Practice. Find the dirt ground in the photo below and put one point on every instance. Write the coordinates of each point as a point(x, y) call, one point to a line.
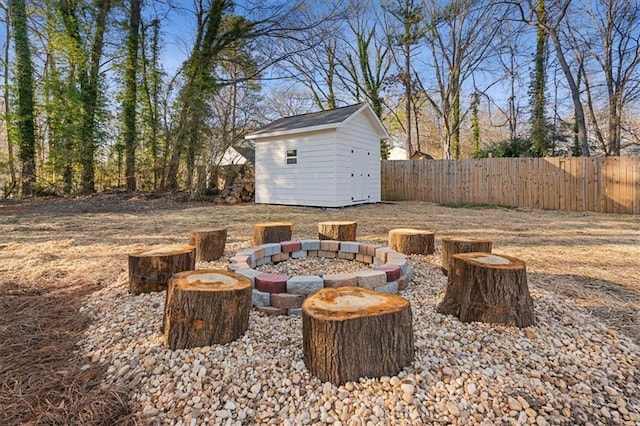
point(55, 252)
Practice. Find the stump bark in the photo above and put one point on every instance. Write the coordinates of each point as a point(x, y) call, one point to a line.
point(451, 246)
point(150, 269)
point(337, 231)
point(272, 232)
point(209, 243)
point(411, 241)
point(206, 307)
point(351, 332)
point(488, 288)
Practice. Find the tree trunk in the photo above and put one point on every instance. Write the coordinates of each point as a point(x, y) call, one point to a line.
point(272, 232)
point(150, 269)
point(575, 95)
point(90, 86)
point(351, 332)
point(209, 243)
point(411, 241)
point(6, 94)
point(451, 246)
point(130, 100)
point(206, 307)
point(539, 131)
point(25, 115)
point(488, 288)
point(337, 231)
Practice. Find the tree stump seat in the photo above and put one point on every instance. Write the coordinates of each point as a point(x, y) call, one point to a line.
point(151, 268)
point(455, 245)
point(353, 332)
point(206, 307)
point(271, 232)
point(209, 243)
point(337, 230)
point(488, 288)
point(411, 241)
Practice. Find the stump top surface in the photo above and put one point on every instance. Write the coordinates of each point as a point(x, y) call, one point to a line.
point(211, 280)
point(338, 222)
point(164, 250)
point(490, 260)
point(272, 224)
point(410, 231)
point(343, 303)
point(467, 239)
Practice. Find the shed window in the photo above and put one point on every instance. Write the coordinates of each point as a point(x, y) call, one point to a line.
point(292, 156)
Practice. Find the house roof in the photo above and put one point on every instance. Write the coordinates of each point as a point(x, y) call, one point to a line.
point(247, 152)
point(322, 120)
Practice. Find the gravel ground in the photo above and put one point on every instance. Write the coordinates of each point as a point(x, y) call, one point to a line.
point(568, 369)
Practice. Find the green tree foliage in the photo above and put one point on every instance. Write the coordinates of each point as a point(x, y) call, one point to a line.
point(213, 36)
point(25, 114)
point(86, 73)
point(517, 147)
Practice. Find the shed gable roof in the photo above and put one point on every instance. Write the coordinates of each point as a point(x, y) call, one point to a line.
point(330, 119)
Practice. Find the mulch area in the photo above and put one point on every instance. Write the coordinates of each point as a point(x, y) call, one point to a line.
point(43, 380)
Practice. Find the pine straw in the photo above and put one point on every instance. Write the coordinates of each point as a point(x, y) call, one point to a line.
point(42, 378)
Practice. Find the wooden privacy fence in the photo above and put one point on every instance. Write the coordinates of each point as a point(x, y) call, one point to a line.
point(604, 184)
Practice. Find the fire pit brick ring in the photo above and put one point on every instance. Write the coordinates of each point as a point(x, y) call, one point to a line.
point(278, 294)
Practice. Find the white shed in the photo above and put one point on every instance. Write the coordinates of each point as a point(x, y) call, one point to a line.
point(323, 159)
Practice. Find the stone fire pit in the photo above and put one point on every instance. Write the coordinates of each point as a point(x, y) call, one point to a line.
point(282, 294)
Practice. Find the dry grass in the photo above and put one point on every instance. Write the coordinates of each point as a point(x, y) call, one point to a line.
point(54, 253)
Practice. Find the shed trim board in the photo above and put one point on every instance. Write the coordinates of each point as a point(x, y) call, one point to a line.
point(334, 164)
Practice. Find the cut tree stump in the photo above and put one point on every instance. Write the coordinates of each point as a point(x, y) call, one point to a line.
point(206, 307)
point(352, 332)
point(411, 241)
point(455, 245)
point(488, 288)
point(209, 243)
point(337, 231)
point(271, 232)
point(151, 268)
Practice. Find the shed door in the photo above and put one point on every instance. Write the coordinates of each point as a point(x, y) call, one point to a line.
point(359, 174)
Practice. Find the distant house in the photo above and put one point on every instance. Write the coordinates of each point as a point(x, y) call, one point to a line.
point(323, 159)
point(399, 153)
point(238, 154)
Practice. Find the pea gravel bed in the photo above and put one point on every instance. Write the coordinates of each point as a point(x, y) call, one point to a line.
point(568, 369)
point(314, 266)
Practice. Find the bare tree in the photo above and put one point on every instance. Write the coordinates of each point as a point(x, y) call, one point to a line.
point(556, 15)
point(405, 33)
point(311, 55)
point(460, 38)
point(367, 60)
point(511, 62)
point(611, 40)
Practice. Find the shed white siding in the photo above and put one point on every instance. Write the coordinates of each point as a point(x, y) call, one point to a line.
point(358, 135)
point(311, 181)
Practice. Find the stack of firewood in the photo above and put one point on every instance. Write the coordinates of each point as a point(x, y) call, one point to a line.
point(240, 191)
